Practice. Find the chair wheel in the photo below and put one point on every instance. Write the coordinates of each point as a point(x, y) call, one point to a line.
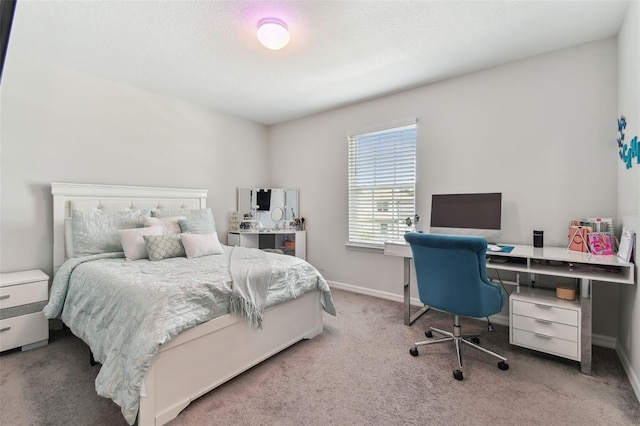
point(503, 365)
point(475, 340)
point(413, 351)
point(429, 334)
point(457, 374)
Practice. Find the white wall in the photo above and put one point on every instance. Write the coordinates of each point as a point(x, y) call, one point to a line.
point(537, 130)
point(60, 126)
point(629, 187)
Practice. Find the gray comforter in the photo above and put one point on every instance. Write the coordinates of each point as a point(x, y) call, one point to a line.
point(125, 310)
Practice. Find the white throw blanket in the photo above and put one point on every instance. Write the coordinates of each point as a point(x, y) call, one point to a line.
point(251, 278)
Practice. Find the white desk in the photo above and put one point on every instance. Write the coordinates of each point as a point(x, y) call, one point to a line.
point(552, 261)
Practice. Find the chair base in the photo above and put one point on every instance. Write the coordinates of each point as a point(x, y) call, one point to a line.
point(458, 338)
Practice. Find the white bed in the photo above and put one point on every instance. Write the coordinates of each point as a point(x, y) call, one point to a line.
point(185, 369)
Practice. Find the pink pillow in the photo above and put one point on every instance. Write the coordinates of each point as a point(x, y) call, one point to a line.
point(169, 225)
point(196, 245)
point(133, 243)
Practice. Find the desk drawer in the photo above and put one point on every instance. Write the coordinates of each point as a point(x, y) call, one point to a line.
point(545, 311)
point(22, 330)
point(23, 294)
point(550, 345)
point(546, 328)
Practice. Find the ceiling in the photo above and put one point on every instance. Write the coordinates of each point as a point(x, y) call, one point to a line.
point(341, 52)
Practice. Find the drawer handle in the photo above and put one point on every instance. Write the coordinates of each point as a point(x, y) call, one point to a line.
point(543, 306)
point(5, 296)
point(544, 336)
point(5, 329)
point(543, 321)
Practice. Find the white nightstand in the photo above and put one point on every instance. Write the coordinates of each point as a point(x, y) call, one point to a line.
point(22, 297)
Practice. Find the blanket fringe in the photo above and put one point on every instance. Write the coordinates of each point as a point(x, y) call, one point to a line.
point(247, 310)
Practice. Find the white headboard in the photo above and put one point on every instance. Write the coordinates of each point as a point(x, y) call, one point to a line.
point(88, 197)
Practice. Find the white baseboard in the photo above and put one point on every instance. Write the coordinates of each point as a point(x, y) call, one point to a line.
point(626, 364)
point(603, 341)
point(502, 318)
point(375, 293)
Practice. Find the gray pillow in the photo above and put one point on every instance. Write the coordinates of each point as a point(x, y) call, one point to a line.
point(95, 232)
point(197, 226)
point(164, 246)
point(203, 214)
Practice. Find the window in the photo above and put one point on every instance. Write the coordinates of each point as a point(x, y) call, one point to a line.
point(382, 182)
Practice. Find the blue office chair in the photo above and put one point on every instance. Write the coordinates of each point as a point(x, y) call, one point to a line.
point(452, 277)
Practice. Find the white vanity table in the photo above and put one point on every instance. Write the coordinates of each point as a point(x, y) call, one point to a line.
point(290, 241)
point(268, 214)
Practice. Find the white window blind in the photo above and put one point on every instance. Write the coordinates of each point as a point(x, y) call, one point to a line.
point(382, 182)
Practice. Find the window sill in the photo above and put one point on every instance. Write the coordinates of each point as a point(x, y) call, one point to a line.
point(371, 248)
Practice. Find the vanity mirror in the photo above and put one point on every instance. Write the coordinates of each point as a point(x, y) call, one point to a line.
point(277, 214)
point(270, 207)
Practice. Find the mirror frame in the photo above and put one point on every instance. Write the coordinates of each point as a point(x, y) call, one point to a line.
point(277, 214)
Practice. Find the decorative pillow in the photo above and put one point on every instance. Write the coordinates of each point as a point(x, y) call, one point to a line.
point(163, 246)
point(169, 224)
point(196, 245)
point(197, 226)
point(133, 242)
point(204, 214)
point(96, 232)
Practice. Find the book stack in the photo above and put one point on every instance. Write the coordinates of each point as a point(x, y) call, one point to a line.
point(592, 235)
point(595, 236)
point(598, 224)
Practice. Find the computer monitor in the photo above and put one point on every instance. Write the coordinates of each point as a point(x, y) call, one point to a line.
point(467, 214)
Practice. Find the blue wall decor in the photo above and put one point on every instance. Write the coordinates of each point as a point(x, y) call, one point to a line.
point(628, 151)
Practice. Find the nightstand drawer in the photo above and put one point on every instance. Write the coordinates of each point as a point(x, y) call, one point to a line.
point(23, 330)
point(546, 328)
point(233, 239)
point(545, 311)
point(551, 345)
point(22, 294)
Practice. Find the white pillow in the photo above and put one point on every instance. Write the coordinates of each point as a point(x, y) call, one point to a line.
point(133, 243)
point(169, 225)
point(196, 245)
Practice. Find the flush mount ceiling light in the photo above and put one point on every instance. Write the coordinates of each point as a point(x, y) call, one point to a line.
point(273, 33)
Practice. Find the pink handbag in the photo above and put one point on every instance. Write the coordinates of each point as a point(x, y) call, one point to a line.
point(578, 238)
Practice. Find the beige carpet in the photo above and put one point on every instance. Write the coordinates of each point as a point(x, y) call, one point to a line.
point(358, 372)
